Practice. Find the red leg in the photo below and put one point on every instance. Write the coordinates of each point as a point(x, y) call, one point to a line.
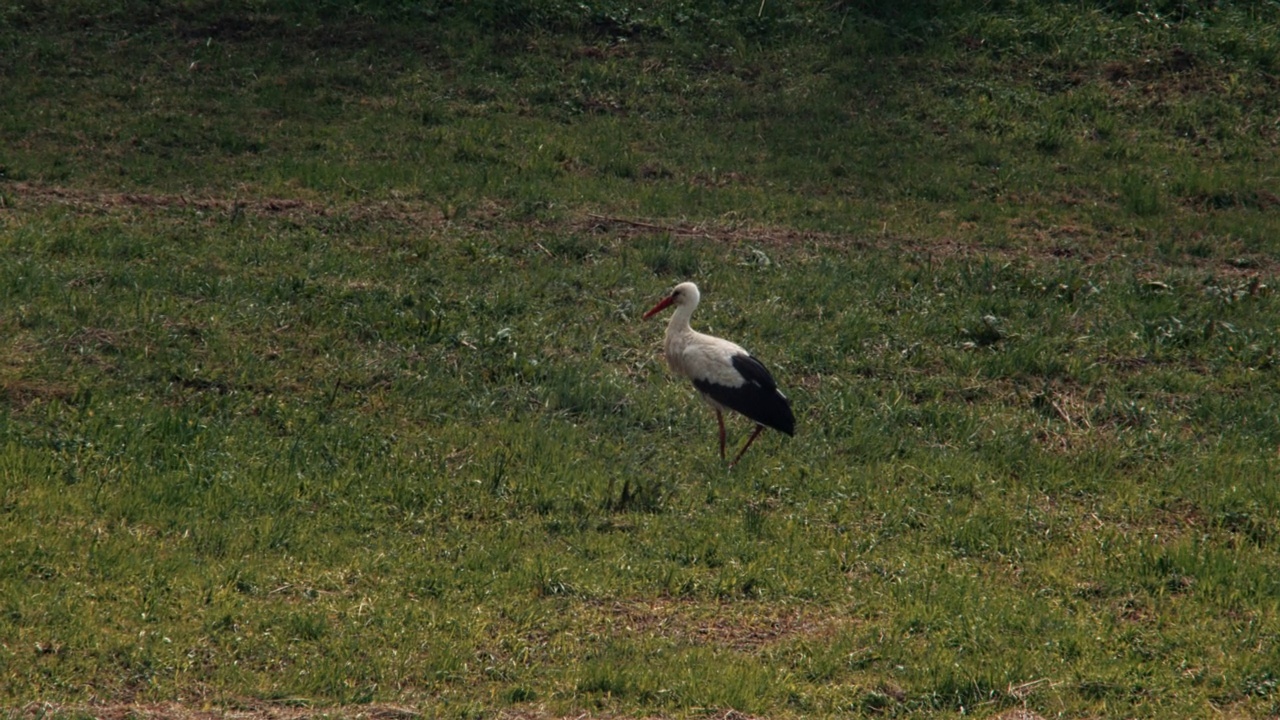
point(720, 419)
point(750, 440)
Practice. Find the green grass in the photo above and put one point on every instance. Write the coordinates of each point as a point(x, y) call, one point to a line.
point(323, 383)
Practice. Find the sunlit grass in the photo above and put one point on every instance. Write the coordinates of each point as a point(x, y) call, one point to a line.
point(323, 379)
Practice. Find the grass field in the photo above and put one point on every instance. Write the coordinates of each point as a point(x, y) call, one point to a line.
point(324, 389)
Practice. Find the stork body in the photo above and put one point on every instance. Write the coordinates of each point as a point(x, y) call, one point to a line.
point(726, 375)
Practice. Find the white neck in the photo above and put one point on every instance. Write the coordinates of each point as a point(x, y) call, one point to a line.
point(680, 319)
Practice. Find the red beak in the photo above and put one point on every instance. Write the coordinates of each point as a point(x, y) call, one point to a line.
point(656, 308)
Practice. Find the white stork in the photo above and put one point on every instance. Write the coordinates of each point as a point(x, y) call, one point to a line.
point(726, 375)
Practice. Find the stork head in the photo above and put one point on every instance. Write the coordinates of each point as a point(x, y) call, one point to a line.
point(683, 295)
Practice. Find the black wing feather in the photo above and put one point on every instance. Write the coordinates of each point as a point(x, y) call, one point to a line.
point(758, 398)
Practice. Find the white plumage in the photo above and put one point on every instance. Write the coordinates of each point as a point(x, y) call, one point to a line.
point(726, 375)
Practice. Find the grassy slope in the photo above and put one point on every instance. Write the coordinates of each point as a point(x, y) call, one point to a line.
point(322, 381)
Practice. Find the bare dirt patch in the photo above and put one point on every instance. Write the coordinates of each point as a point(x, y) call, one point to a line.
point(102, 201)
point(252, 710)
point(1033, 241)
point(745, 627)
